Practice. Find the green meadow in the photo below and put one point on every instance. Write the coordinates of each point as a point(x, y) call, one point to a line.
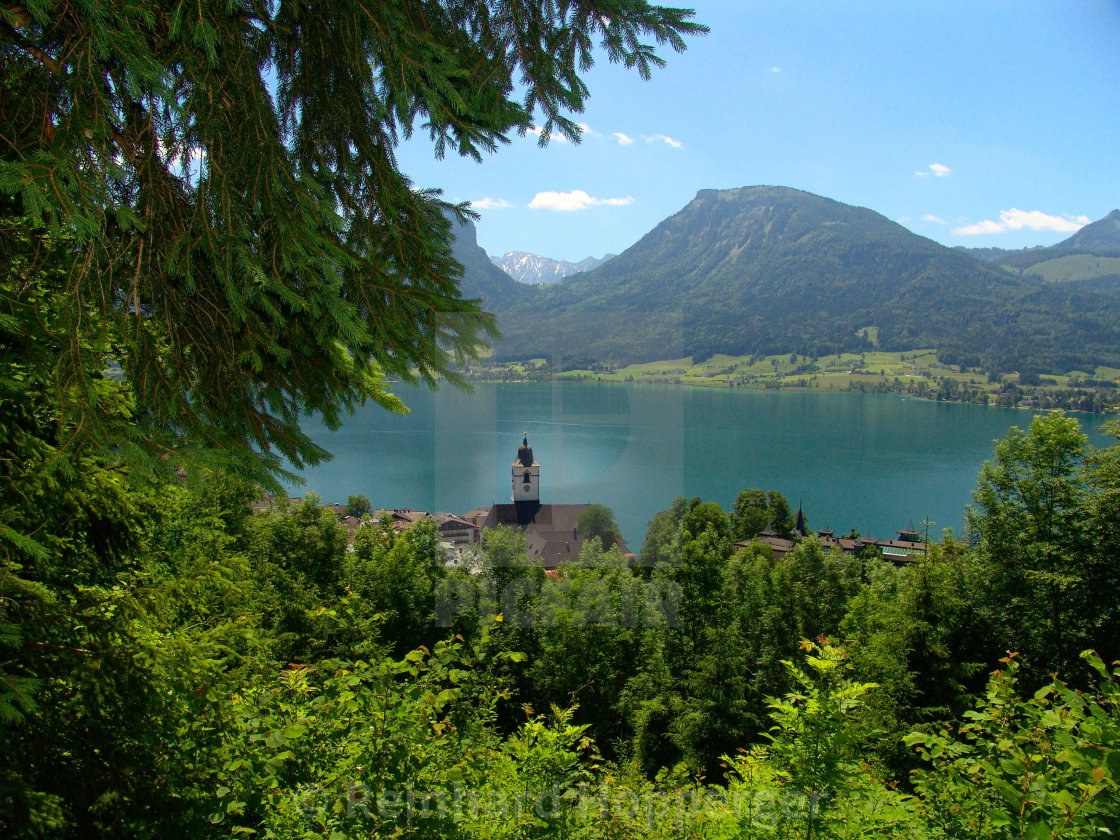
point(875, 370)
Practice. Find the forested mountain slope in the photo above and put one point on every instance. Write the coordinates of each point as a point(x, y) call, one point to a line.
point(772, 270)
point(481, 278)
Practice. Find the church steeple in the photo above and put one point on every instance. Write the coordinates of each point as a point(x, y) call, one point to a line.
point(525, 452)
point(525, 478)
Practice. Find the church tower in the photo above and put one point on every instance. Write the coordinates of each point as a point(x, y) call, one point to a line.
point(526, 475)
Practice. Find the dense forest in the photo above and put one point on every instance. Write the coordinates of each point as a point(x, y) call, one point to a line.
point(176, 665)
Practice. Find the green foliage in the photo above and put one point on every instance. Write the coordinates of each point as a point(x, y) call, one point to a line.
point(702, 686)
point(1040, 515)
point(750, 515)
point(358, 506)
point(781, 517)
point(126, 647)
point(396, 576)
point(660, 545)
point(301, 549)
point(705, 545)
point(1031, 493)
point(178, 288)
point(1102, 534)
point(811, 738)
point(812, 587)
point(590, 624)
point(382, 747)
point(918, 633)
point(516, 578)
point(597, 521)
point(201, 670)
point(1040, 766)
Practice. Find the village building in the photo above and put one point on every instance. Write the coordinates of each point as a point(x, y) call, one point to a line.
point(456, 530)
point(907, 548)
point(551, 530)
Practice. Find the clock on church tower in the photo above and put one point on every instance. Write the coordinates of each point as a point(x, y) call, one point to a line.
point(525, 474)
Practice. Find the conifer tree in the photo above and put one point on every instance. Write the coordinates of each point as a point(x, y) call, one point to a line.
point(238, 224)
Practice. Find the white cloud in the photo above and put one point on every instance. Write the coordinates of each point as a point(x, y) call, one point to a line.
point(1035, 220)
point(980, 228)
point(775, 69)
point(665, 138)
point(1018, 219)
point(574, 200)
point(623, 139)
point(937, 170)
point(588, 131)
point(937, 220)
point(489, 203)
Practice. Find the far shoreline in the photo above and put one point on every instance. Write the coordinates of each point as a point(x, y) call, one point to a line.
point(915, 373)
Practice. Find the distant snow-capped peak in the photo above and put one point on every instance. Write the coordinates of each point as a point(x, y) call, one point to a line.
point(535, 269)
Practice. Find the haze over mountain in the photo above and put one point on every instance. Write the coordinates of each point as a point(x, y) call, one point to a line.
point(773, 270)
point(534, 269)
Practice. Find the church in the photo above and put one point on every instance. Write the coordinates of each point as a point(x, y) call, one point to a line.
point(551, 530)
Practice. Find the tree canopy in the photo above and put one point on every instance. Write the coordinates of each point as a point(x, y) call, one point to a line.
point(598, 521)
point(216, 191)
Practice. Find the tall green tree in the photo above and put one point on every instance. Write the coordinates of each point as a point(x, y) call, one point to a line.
point(359, 506)
point(397, 575)
point(1102, 477)
point(781, 517)
point(705, 548)
point(750, 514)
point(589, 625)
point(661, 545)
point(1029, 522)
point(598, 521)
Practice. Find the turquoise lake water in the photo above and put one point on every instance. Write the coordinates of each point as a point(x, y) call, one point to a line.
point(873, 462)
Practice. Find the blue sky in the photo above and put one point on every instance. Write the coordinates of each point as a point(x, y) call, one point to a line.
point(978, 123)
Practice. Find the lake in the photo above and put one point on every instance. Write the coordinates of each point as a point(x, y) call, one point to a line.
point(872, 462)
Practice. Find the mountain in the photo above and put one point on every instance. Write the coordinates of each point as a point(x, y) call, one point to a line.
point(534, 269)
point(481, 278)
point(1101, 237)
point(773, 270)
